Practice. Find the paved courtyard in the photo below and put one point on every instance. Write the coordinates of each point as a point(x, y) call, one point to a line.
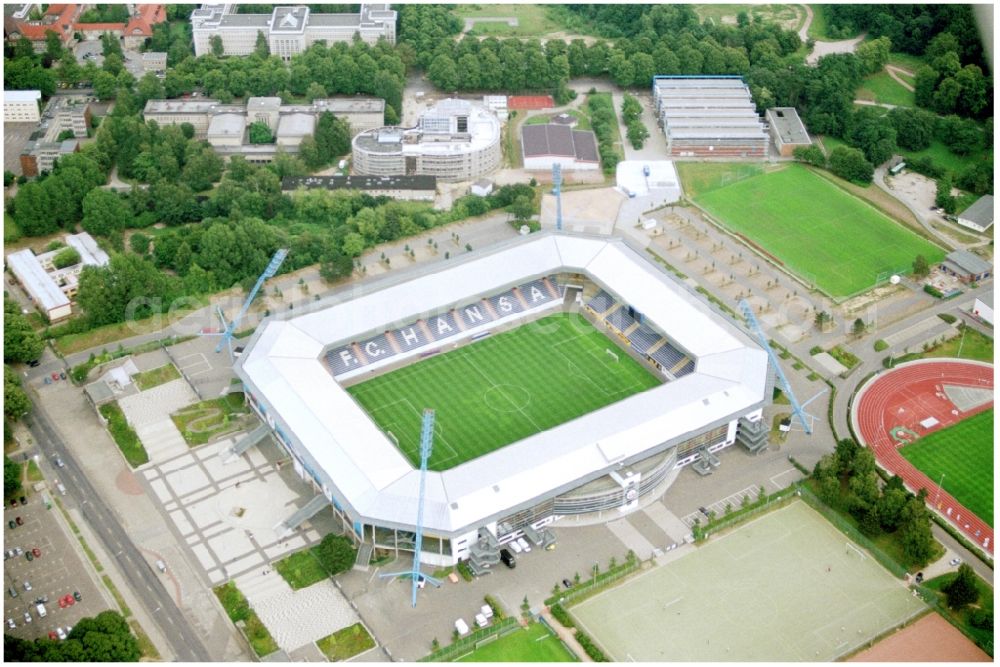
point(149, 414)
point(227, 513)
point(296, 618)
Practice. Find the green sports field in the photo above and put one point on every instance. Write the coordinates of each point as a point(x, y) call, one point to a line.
point(532, 644)
point(963, 453)
point(502, 389)
point(827, 236)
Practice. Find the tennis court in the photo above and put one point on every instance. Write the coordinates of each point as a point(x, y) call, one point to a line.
point(785, 587)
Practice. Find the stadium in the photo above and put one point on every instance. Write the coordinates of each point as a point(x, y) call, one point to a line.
point(570, 376)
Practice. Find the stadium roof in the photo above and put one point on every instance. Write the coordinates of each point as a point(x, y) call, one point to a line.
point(283, 370)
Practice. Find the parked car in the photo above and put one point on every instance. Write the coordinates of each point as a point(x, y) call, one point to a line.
point(55, 376)
point(514, 546)
point(27, 617)
point(12, 591)
point(33, 363)
point(37, 552)
point(23, 500)
point(11, 624)
point(62, 375)
point(59, 462)
point(52, 635)
point(507, 558)
point(27, 585)
point(567, 583)
point(29, 556)
point(77, 596)
point(42, 599)
point(19, 521)
point(955, 562)
point(524, 544)
point(12, 524)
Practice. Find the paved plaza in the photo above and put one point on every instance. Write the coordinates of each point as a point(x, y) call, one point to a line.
point(296, 618)
point(227, 513)
point(149, 414)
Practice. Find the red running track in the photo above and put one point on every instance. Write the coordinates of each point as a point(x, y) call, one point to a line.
point(905, 396)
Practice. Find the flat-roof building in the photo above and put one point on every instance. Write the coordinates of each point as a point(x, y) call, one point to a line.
point(455, 140)
point(786, 130)
point(289, 30)
point(49, 287)
point(21, 106)
point(154, 61)
point(709, 117)
point(545, 145)
point(421, 188)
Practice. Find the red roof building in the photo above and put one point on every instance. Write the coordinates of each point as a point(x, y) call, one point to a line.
point(58, 18)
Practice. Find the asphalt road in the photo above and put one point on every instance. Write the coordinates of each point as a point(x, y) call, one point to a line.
point(186, 645)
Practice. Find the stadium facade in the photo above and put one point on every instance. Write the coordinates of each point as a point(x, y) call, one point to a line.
point(716, 381)
point(455, 140)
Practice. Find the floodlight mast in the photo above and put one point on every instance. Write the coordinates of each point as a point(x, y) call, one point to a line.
point(752, 322)
point(230, 328)
point(426, 445)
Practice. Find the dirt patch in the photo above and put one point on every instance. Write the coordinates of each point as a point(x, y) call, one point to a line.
point(931, 639)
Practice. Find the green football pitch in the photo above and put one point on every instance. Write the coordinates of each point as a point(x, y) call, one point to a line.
point(829, 237)
point(963, 453)
point(502, 389)
point(532, 644)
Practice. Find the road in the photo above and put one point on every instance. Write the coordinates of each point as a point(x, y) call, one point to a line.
point(186, 645)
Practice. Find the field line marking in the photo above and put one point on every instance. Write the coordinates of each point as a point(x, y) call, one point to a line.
point(498, 387)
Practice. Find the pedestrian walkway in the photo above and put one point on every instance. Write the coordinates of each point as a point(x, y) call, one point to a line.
point(631, 538)
point(296, 618)
point(149, 414)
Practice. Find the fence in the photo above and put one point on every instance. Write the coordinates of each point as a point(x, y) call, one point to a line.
point(594, 585)
point(844, 526)
point(771, 502)
point(471, 642)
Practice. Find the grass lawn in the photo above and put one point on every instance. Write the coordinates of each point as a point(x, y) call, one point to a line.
point(502, 389)
point(238, 609)
point(830, 238)
point(536, 643)
point(203, 421)
point(945, 159)
point(301, 569)
point(34, 474)
point(701, 177)
point(726, 14)
point(112, 333)
point(583, 121)
point(533, 19)
point(974, 346)
point(843, 356)
point(963, 617)
point(155, 377)
point(346, 643)
point(907, 61)
point(818, 27)
point(963, 453)
point(146, 647)
point(883, 89)
point(124, 435)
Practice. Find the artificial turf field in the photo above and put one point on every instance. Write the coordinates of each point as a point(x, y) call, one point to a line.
point(963, 453)
point(827, 236)
point(532, 644)
point(502, 389)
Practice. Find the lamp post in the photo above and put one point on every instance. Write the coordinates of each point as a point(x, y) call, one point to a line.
point(938, 495)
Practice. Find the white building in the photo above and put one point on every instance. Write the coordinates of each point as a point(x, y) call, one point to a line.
point(288, 29)
point(716, 381)
point(52, 288)
point(21, 106)
point(454, 140)
point(979, 216)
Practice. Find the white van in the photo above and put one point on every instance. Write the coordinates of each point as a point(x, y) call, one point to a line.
point(40, 608)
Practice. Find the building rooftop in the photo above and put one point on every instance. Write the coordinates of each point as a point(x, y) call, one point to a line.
point(22, 95)
point(786, 122)
point(227, 125)
point(90, 253)
point(981, 211)
point(296, 124)
point(428, 183)
point(39, 284)
point(180, 106)
point(558, 141)
point(968, 262)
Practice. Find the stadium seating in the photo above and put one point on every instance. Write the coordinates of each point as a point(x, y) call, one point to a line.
point(620, 319)
point(667, 355)
point(601, 303)
point(413, 336)
point(685, 369)
point(643, 338)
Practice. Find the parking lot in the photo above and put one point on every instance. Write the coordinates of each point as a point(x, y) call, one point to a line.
point(15, 136)
point(58, 571)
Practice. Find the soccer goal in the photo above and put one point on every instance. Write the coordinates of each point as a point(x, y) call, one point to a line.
point(850, 549)
point(612, 354)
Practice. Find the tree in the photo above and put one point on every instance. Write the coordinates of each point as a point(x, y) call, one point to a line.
point(811, 154)
point(822, 319)
point(15, 402)
point(217, 47)
point(150, 88)
point(104, 213)
point(53, 45)
point(873, 133)
point(128, 287)
point(333, 136)
point(944, 198)
point(315, 91)
point(260, 47)
point(924, 82)
point(443, 73)
point(11, 476)
point(66, 257)
point(962, 590)
point(105, 85)
point(850, 164)
point(920, 266)
point(260, 133)
point(202, 169)
point(335, 265)
point(914, 127)
point(336, 553)
point(858, 328)
point(20, 341)
point(874, 54)
point(522, 208)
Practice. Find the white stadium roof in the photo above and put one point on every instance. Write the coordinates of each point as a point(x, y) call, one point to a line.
point(284, 369)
